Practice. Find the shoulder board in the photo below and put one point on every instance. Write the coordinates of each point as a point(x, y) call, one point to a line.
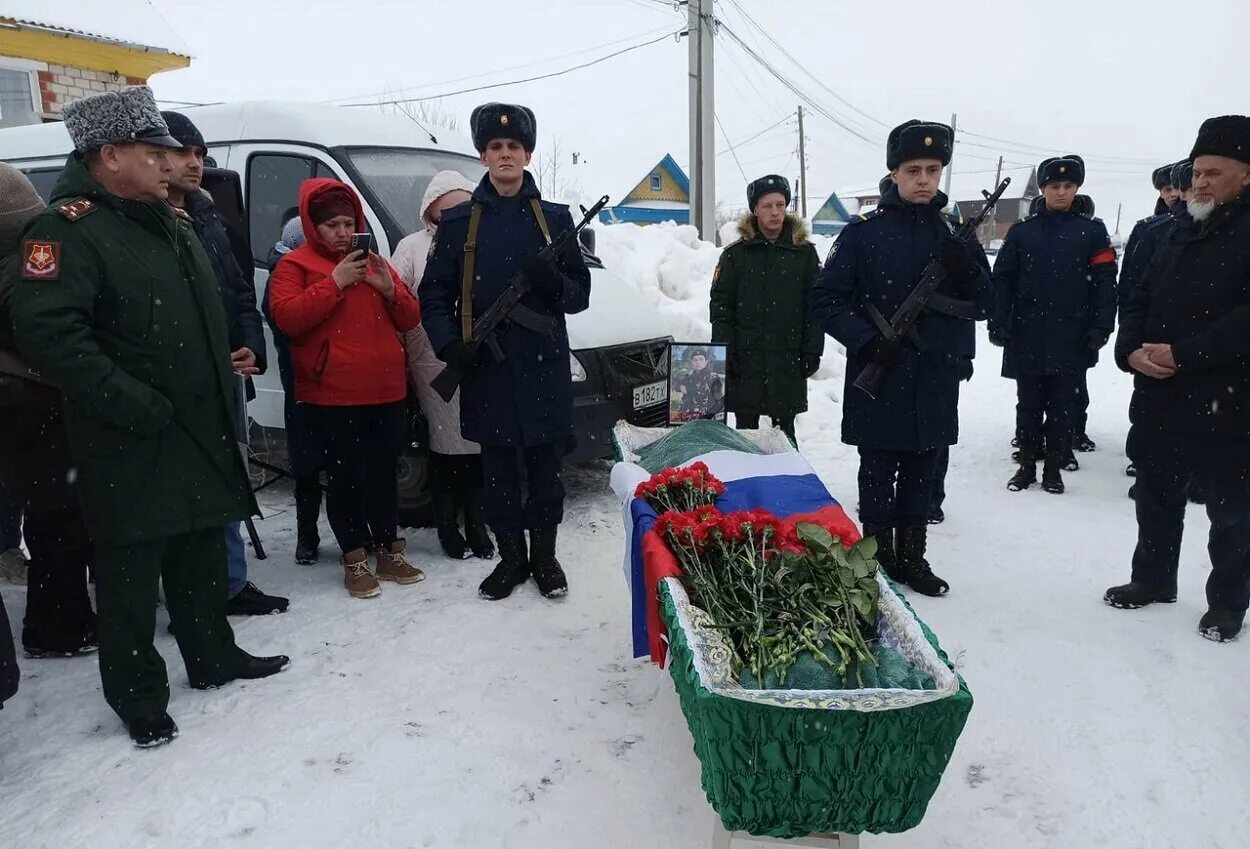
point(866, 217)
point(553, 206)
point(77, 208)
point(732, 244)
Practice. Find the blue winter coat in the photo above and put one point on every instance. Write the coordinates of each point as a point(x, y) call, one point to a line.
point(527, 399)
point(1054, 281)
point(1144, 242)
point(879, 258)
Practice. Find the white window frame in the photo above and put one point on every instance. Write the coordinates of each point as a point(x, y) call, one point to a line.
point(32, 69)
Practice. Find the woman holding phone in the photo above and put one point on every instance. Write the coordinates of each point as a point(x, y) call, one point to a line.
point(344, 311)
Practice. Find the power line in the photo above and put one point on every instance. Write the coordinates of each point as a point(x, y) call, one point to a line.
point(548, 76)
point(1031, 148)
point(768, 129)
point(492, 73)
point(731, 150)
point(784, 52)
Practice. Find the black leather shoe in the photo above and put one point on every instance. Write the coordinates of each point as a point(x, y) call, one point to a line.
point(153, 730)
point(250, 601)
point(253, 668)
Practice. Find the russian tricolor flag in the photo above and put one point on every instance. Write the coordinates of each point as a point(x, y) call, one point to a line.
point(783, 484)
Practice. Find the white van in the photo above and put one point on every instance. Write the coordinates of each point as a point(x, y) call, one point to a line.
point(617, 367)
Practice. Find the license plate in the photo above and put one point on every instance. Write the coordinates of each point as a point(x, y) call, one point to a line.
point(650, 394)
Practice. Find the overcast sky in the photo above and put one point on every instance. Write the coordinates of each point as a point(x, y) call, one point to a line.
point(1123, 83)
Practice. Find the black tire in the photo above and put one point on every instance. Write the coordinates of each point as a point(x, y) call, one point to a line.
point(416, 506)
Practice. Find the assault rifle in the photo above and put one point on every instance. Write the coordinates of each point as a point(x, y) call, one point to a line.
point(508, 306)
point(925, 295)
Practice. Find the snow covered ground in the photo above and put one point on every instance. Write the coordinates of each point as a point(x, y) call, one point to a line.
point(428, 718)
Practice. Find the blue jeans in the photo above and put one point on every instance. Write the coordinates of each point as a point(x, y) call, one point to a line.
point(236, 559)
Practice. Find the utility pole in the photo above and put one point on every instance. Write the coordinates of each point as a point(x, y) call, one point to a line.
point(950, 168)
point(802, 167)
point(702, 115)
point(1118, 209)
point(998, 178)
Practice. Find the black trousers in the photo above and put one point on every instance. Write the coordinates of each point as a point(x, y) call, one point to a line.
point(1045, 410)
point(895, 487)
point(937, 495)
point(784, 423)
point(361, 446)
point(455, 474)
point(192, 567)
point(58, 607)
point(1080, 414)
point(1163, 479)
point(507, 472)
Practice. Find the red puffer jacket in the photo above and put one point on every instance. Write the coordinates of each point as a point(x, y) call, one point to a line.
point(345, 343)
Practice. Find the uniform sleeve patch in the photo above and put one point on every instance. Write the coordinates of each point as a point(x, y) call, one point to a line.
point(41, 260)
point(1103, 257)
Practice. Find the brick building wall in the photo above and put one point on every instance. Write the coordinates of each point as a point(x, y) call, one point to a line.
point(59, 85)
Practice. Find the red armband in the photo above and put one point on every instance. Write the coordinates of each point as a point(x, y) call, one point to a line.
point(1103, 257)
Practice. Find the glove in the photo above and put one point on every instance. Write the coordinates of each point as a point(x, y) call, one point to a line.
point(959, 264)
point(1095, 339)
point(883, 352)
point(811, 363)
point(544, 276)
point(999, 337)
point(460, 356)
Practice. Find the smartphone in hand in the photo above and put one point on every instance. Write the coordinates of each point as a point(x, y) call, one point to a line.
point(362, 242)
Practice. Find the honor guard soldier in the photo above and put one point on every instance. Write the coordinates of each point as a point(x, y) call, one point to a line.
point(1054, 309)
point(116, 301)
point(877, 261)
point(519, 408)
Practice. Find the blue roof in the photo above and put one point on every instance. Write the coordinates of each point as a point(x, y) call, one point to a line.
point(832, 210)
point(679, 176)
point(643, 215)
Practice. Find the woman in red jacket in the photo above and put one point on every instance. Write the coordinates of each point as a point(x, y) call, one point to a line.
point(344, 313)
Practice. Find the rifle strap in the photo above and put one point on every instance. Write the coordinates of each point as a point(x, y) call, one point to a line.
point(466, 283)
point(542, 219)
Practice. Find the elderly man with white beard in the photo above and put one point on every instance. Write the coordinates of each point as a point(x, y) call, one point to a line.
point(1185, 334)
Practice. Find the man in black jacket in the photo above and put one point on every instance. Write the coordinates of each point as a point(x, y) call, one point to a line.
point(247, 337)
point(1185, 331)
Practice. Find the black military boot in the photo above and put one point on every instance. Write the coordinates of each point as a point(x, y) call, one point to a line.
point(1052, 479)
point(152, 730)
point(912, 543)
point(307, 509)
point(1026, 475)
point(447, 520)
point(886, 554)
point(513, 569)
point(479, 539)
point(1081, 442)
point(548, 573)
point(1068, 461)
point(1221, 626)
point(1133, 595)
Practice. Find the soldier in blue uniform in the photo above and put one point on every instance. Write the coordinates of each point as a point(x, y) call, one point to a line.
point(876, 261)
point(520, 410)
point(1054, 308)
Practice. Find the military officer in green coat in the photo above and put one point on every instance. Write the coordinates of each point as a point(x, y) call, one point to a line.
point(114, 298)
point(759, 309)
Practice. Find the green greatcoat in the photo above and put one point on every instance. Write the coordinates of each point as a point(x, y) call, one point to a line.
point(759, 309)
point(121, 309)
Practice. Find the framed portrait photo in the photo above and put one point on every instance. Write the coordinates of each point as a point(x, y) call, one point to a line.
point(696, 382)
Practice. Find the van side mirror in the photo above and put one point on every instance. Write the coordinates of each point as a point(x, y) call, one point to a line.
point(587, 238)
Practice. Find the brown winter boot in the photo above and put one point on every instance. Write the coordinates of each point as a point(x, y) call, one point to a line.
point(357, 577)
point(393, 567)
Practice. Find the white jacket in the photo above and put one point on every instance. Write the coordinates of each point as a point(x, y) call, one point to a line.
point(423, 364)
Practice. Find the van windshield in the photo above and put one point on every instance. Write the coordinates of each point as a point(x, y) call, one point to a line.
point(397, 178)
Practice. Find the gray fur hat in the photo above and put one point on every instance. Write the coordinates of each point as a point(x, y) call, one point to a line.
point(117, 117)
